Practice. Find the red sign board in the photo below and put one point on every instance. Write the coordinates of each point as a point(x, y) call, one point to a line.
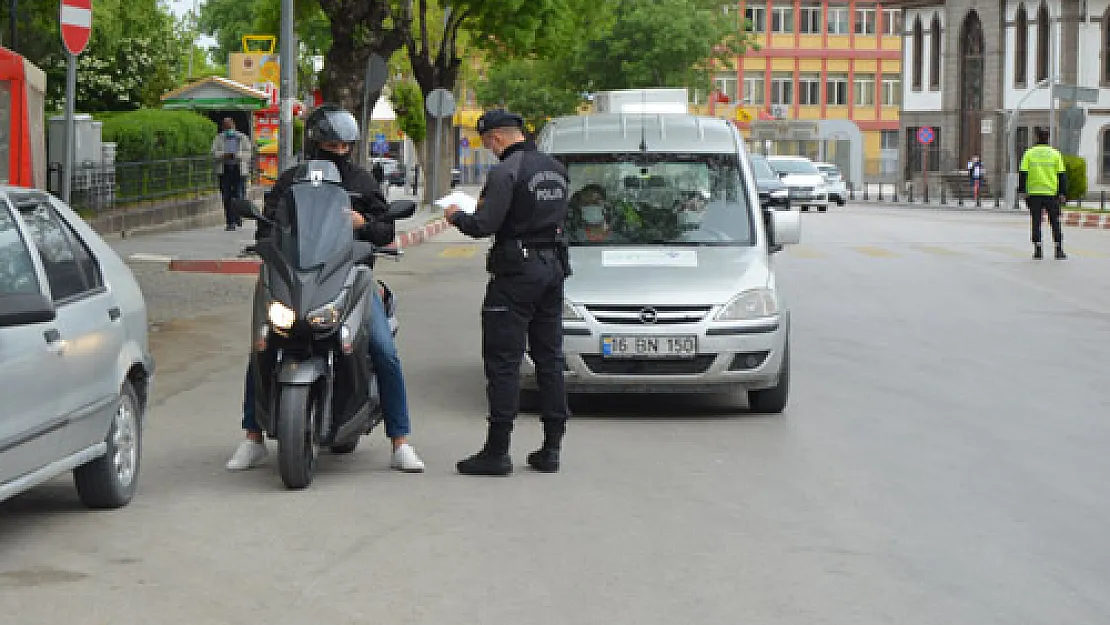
point(925, 135)
point(76, 21)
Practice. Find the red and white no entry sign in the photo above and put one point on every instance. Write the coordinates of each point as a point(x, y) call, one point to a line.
point(76, 21)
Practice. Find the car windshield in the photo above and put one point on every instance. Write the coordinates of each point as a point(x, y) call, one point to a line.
point(636, 199)
point(793, 166)
point(761, 169)
point(829, 170)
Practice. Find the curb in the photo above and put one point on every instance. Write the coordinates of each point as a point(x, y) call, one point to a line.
point(249, 266)
point(1076, 219)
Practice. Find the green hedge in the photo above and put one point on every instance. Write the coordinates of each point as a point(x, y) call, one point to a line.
point(155, 134)
point(1076, 168)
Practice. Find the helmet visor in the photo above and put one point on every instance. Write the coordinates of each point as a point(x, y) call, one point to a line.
point(344, 127)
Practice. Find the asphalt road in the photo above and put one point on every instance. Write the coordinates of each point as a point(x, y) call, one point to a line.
point(943, 460)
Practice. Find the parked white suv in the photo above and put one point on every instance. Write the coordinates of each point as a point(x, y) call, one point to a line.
point(834, 183)
point(805, 183)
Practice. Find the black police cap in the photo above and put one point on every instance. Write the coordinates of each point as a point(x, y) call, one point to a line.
point(499, 118)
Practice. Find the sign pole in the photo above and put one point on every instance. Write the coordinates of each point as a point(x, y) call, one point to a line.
point(70, 134)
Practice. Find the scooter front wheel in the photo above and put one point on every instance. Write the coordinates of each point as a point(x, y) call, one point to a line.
point(297, 414)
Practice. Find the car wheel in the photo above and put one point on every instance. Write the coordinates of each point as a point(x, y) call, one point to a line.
point(840, 201)
point(822, 208)
point(773, 400)
point(110, 480)
point(804, 209)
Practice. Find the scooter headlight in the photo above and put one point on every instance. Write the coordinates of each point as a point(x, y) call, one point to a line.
point(329, 315)
point(281, 316)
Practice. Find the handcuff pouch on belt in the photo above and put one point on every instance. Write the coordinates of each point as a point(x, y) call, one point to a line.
point(507, 257)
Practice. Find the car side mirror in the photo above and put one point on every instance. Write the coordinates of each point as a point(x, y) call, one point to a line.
point(20, 309)
point(786, 227)
point(400, 209)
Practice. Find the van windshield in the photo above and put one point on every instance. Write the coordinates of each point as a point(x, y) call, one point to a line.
point(636, 199)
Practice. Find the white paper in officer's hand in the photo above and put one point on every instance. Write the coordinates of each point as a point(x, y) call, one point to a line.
point(466, 203)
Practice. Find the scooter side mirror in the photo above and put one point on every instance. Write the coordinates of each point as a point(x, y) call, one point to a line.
point(245, 208)
point(400, 209)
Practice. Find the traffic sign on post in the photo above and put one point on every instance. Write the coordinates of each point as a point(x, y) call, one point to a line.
point(440, 104)
point(76, 21)
point(925, 135)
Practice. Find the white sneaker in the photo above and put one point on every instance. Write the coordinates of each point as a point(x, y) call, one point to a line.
point(248, 454)
point(405, 459)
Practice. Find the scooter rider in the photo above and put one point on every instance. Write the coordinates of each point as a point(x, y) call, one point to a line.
point(330, 132)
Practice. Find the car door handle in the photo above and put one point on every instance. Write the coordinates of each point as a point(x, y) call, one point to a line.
point(54, 341)
point(114, 313)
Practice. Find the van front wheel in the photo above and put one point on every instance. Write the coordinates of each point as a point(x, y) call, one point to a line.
point(773, 400)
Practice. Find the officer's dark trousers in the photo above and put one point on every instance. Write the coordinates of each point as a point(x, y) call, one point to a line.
point(231, 188)
point(520, 310)
point(1038, 205)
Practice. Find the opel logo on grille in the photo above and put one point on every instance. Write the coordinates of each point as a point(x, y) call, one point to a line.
point(649, 315)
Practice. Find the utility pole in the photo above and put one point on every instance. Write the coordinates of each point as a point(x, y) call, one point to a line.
point(288, 59)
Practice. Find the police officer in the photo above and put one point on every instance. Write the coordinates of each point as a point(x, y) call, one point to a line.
point(330, 134)
point(1043, 179)
point(524, 206)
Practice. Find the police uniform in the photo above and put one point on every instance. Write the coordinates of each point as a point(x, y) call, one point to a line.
point(524, 206)
point(1043, 179)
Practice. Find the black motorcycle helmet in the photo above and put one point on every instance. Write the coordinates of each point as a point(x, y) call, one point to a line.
point(329, 122)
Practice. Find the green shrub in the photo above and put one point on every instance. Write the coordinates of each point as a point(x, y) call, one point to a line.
point(1076, 168)
point(155, 134)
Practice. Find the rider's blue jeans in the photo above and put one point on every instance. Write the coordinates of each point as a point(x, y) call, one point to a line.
point(387, 364)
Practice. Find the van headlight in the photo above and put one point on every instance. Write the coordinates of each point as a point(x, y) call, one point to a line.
point(753, 304)
point(570, 313)
point(281, 316)
point(329, 315)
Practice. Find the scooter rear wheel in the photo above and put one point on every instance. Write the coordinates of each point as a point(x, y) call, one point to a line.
point(297, 453)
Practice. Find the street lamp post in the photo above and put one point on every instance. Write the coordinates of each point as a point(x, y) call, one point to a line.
point(1011, 140)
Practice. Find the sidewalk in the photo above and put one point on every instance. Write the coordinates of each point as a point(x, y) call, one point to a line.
point(215, 250)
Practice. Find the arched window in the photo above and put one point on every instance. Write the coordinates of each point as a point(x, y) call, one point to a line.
point(918, 54)
point(934, 54)
point(1021, 47)
point(1042, 43)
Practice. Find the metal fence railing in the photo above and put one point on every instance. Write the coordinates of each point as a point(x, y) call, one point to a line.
point(101, 187)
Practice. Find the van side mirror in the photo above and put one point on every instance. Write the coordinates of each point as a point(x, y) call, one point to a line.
point(786, 227)
point(246, 209)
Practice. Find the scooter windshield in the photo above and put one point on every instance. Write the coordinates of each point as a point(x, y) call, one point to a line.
point(321, 224)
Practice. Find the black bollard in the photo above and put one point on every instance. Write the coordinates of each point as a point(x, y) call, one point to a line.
point(925, 194)
point(943, 194)
point(1102, 200)
point(910, 193)
point(894, 193)
point(865, 186)
point(880, 192)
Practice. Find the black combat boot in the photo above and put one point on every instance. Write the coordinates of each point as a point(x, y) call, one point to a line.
point(1037, 253)
point(494, 458)
point(546, 458)
point(1060, 255)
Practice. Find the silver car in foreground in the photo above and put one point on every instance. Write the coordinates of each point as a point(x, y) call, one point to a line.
point(74, 357)
point(673, 287)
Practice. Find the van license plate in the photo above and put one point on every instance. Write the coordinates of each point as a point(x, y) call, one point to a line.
point(649, 346)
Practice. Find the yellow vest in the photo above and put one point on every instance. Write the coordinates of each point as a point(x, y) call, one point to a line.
point(1042, 163)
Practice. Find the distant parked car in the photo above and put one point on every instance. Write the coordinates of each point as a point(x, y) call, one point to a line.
point(394, 171)
point(805, 181)
point(456, 176)
point(834, 183)
point(74, 357)
point(773, 193)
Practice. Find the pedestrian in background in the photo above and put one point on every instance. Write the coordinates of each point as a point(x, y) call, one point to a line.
point(1042, 179)
point(524, 206)
point(975, 173)
point(232, 151)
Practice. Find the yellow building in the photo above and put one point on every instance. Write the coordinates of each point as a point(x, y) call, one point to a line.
point(818, 60)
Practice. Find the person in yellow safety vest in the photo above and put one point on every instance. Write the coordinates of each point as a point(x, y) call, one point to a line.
point(1042, 179)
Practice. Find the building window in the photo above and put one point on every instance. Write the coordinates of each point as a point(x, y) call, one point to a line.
point(889, 140)
point(782, 19)
point(809, 90)
point(754, 92)
point(865, 21)
point(725, 84)
point(865, 90)
point(782, 88)
point(811, 19)
point(1106, 50)
point(1021, 47)
point(1104, 146)
point(837, 90)
point(934, 55)
point(839, 22)
point(1042, 43)
point(892, 22)
point(757, 17)
point(918, 54)
point(892, 92)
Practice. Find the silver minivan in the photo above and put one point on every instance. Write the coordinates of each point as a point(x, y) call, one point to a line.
point(673, 288)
